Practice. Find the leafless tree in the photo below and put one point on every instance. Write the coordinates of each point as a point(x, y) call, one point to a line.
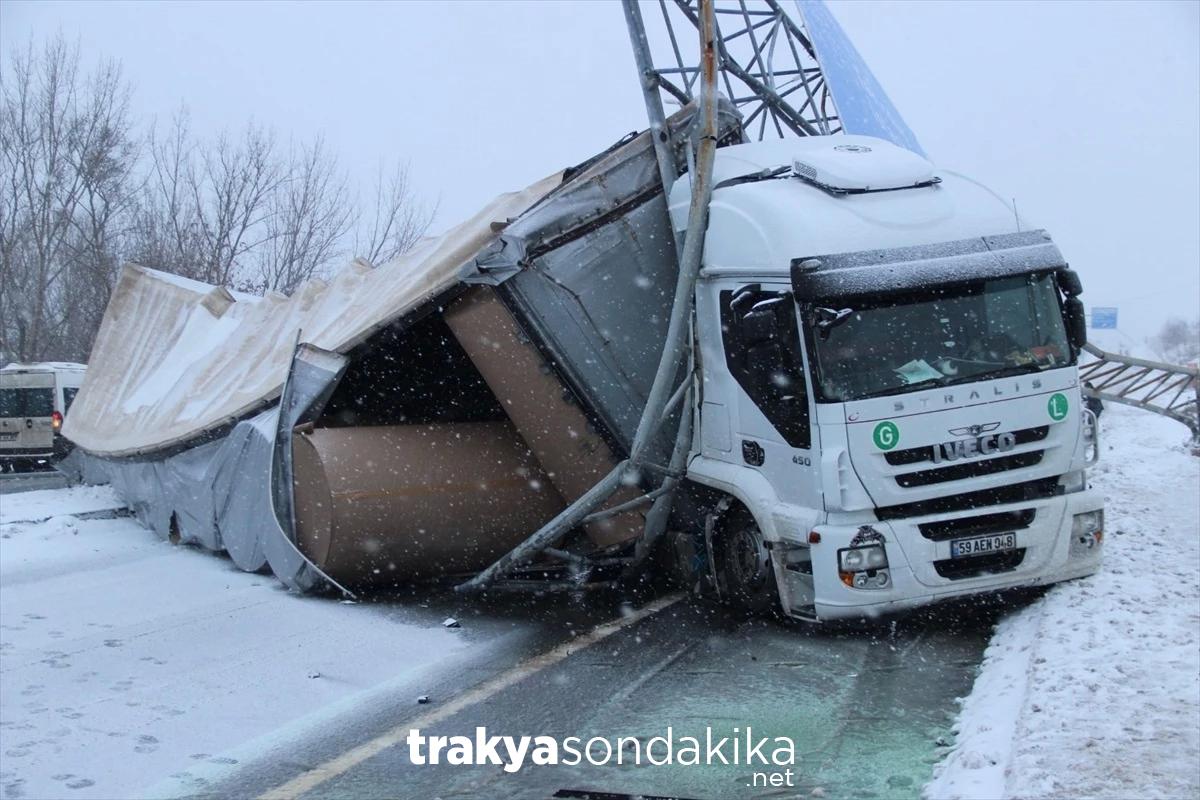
point(1178, 342)
point(81, 193)
point(309, 215)
point(394, 220)
point(65, 159)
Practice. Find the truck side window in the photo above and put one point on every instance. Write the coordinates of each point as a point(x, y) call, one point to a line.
point(69, 393)
point(762, 351)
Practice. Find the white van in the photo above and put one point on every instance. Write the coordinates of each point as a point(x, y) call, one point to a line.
point(34, 400)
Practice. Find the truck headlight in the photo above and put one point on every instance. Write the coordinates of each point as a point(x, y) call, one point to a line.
point(861, 559)
point(1087, 532)
point(864, 567)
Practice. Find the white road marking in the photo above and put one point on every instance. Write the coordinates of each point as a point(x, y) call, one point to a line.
point(309, 780)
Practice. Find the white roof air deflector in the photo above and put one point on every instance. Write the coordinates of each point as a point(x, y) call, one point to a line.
point(846, 166)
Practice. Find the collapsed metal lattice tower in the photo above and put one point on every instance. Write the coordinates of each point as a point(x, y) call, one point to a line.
point(767, 65)
point(1170, 390)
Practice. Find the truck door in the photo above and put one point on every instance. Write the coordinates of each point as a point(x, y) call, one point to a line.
point(764, 355)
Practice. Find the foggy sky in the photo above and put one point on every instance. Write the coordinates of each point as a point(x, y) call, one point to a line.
point(1088, 114)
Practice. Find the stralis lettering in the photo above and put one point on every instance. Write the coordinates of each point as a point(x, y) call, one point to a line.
point(513, 752)
point(961, 397)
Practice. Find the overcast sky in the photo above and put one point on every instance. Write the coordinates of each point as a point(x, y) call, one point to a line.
point(1087, 113)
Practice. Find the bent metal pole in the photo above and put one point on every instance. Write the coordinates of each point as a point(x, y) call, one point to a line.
point(677, 329)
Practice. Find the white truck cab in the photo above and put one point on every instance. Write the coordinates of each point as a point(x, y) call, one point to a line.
point(889, 410)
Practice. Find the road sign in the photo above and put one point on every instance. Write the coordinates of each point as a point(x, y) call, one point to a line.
point(1104, 318)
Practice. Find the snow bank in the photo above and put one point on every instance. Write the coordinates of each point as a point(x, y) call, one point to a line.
point(1094, 690)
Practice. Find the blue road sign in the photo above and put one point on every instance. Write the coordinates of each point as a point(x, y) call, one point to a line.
point(1104, 317)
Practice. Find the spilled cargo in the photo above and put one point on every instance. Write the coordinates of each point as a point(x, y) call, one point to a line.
point(440, 408)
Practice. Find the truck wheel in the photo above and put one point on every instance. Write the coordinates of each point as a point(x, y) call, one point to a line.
point(745, 563)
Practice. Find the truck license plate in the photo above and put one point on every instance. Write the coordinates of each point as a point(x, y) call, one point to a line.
point(8, 437)
point(982, 545)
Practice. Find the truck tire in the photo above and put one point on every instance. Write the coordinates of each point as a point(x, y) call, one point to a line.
point(747, 576)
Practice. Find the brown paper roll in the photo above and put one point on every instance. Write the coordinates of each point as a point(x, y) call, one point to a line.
point(392, 503)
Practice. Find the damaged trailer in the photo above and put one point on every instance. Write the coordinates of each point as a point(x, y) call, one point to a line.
point(413, 421)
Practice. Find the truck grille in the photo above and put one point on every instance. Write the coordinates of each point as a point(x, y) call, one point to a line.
point(957, 569)
point(982, 525)
point(970, 469)
point(1000, 495)
point(915, 455)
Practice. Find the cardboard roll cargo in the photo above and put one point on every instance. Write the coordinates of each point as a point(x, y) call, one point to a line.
point(545, 414)
point(400, 502)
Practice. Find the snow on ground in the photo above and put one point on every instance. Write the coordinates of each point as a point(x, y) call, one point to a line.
point(125, 660)
point(1094, 690)
point(42, 505)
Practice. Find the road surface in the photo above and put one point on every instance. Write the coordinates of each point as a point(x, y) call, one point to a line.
point(133, 667)
point(869, 711)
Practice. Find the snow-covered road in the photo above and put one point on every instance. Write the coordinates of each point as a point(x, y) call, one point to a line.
point(129, 665)
point(1094, 690)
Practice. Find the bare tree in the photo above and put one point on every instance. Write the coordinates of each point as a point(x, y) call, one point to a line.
point(65, 158)
point(309, 215)
point(1178, 342)
point(78, 199)
point(394, 221)
point(232, 190)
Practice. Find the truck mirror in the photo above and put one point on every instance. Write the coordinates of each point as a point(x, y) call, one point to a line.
point(1068, 281)
point(1076, 323)
point(758, 326)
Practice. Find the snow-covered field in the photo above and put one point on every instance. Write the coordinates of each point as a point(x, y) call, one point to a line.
point(1094, 690)
point(131, 666)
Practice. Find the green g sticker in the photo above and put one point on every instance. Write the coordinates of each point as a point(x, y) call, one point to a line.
point(1057, 406)
point(886, 435)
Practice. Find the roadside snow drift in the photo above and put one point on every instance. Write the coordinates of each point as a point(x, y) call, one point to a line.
point(1094, 690)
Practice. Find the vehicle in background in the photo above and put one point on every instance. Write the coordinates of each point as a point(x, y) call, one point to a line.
point(34, 400)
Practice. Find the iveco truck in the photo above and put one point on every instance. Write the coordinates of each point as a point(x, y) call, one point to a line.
point(888, 409)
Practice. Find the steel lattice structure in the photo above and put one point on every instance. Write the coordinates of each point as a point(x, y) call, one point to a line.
point(1167, 389)
point(767, 66)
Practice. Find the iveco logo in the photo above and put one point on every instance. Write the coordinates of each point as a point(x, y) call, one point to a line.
point(985, 445)
point(852, 148)
point(974, 430)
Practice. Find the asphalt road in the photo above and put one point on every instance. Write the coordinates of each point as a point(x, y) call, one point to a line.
point(868, 709)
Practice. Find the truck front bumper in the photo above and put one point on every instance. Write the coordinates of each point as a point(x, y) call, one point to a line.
point(921, 571)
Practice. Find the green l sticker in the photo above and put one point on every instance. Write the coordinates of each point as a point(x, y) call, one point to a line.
point(886, 435)
point(1057, 406)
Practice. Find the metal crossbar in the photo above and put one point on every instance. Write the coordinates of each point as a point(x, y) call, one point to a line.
point(1171, 390)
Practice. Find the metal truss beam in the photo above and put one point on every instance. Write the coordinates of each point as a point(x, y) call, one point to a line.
point(767, 66)
point(1171, 390)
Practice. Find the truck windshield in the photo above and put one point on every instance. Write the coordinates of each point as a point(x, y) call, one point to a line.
point(882, 345)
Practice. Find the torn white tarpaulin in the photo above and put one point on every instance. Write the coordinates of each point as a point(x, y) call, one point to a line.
point(175, 359)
